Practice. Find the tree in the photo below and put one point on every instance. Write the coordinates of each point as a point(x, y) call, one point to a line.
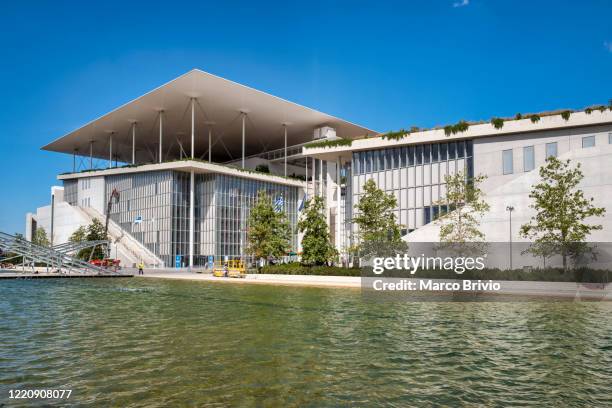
point(268, 231)
point(317, 248)
point(379, 232)
point(80, 235)
point(40, 237)
point(561, 209)
point(461, 223)
point(95, 232)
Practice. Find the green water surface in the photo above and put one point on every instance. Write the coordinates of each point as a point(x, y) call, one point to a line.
point(160, 343)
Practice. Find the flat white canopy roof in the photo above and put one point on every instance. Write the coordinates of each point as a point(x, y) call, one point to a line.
point(217, 106)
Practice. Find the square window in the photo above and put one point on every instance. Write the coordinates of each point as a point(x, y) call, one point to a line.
point(507, 161)
point(588, 141)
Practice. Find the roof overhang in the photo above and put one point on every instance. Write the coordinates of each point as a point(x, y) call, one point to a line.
point(218, 106)
point(196, 166)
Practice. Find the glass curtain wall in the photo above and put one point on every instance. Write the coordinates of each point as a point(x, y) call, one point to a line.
point(233, 199)
point(415, 175)
point(145, 209)
point(154, 209)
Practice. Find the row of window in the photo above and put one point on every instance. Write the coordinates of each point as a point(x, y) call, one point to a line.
point(528, 157)
point(393, 158)
point(85, 183)
point(529, 154)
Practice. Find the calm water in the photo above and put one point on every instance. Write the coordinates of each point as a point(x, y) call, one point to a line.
point(162, 343)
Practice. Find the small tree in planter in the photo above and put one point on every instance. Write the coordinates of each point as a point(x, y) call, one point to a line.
point(379, 232)
point(269, 232)
point(558, 226)
point(317, 248)
point(464, 196)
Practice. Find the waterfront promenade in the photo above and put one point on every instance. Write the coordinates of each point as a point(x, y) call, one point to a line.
point(566, 290)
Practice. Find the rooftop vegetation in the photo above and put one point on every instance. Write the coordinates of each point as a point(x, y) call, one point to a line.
point(329, 143)
point(498, 123)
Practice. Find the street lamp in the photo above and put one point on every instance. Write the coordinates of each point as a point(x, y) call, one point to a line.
point(510, 209)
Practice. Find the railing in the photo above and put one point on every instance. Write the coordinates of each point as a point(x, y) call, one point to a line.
point(57, 259)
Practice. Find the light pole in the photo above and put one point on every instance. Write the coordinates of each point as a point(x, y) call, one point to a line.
point(510, 209)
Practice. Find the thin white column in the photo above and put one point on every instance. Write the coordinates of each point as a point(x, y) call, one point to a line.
point(307, 177)
point(110, 152)
point(210, 144)
point(74, 160)
point(91, 154)
point(243, 135)
point(338, 200)
point(134, 143)
point(161, 115)
point(321, 177)
point(285, 126)
point(191, 217)
point(192, 128)
point(314, 177)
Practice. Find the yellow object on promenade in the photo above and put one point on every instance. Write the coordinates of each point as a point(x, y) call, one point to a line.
point(232, 269)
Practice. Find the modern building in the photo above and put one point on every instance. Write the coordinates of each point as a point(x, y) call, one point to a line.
point(189, 157)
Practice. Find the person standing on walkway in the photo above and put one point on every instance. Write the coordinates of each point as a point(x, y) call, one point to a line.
point(141, 268)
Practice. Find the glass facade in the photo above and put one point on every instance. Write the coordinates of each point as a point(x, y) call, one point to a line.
point(415, 175)
point(154, 209)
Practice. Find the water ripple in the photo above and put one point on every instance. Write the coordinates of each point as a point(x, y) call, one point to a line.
point(165, 343)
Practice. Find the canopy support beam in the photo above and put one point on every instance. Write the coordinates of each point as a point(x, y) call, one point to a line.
point(161, 135)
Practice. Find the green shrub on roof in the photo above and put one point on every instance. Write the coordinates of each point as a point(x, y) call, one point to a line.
point(329, 143)
point(397, 135)
point(566, 114)
point(497, 123)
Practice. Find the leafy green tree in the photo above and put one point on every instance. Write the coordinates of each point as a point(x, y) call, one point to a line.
point(461, 224)
point(268, 230)
point(40, 237)
point(317, 248)
point(561, 209)
point(379, 233)
point(95, 232)
point(79, 235)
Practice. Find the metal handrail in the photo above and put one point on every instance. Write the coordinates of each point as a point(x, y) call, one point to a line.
point(48, 256)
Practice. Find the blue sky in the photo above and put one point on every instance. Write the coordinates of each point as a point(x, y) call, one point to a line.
point(382, 64)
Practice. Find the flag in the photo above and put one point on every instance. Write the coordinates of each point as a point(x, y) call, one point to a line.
point(279, 203)
point(301, 206)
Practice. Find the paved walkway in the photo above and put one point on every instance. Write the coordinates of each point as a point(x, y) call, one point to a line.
point(270, 279)
point(520, 288)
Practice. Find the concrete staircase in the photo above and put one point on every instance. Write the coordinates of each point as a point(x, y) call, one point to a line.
point(127, 248)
